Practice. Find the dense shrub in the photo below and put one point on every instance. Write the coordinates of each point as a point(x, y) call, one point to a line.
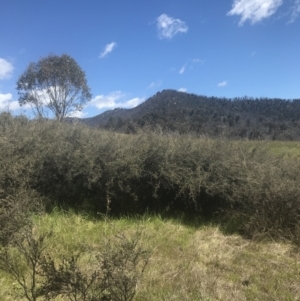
point(17, 199)
point(73, 165)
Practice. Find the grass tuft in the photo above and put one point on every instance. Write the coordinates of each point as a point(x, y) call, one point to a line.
point(186, 263)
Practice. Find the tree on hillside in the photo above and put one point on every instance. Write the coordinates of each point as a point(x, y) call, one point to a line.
point(56, 84)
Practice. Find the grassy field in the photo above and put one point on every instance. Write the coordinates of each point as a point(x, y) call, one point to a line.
point(189, 261)
point(285, 148)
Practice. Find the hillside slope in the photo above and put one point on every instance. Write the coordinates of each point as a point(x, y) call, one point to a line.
point(260, 118)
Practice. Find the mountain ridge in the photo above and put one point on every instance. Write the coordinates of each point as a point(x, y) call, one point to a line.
point(170, 110)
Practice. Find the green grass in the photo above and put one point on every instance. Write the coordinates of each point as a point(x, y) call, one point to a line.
point(187, 262)
point(285, 148)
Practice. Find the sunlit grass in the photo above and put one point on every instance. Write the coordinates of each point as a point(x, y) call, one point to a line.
point(285, 148)
point(187, 262)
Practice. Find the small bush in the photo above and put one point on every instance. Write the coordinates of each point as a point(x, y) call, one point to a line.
point(15, 212)
point(116, 271)
point(111, 274)
point(122, 264)
point(21, 260)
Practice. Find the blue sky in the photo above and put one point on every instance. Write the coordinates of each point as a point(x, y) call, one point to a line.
point(132, 49)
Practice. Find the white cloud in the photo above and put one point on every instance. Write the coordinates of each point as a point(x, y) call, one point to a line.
point(198, 61)
point(107, 49)
point(181, 71)
point(168, 27)
point(106, 101)
point(223, 84)
point(295, 11)
point(190, 65)
point(77, 114)
point(182, 89)
point(113, 100)
point(254, 10)
point(154, 84)
point(6, 103)
point(132, 103)
point(6, 69)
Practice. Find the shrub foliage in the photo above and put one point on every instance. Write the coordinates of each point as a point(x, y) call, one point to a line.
point(75, 166)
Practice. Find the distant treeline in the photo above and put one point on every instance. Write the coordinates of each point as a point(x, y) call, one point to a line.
point(238, 118)
point(72, 165)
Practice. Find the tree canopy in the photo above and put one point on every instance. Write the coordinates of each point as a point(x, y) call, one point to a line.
point(56, 84)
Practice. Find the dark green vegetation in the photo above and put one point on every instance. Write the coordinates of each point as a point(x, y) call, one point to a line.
point(73, 166)
point(255, 119)
point(245, 187)
point(54, 84)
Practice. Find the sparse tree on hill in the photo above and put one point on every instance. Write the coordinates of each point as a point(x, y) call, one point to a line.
point(56, 84)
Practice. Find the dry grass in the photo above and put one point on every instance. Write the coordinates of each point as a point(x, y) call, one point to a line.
point(212, 266)
point(187, 263)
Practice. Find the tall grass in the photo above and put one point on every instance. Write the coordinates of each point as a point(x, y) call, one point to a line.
point(187, 262)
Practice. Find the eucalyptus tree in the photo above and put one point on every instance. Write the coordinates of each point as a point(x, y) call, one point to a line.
point(54, 84)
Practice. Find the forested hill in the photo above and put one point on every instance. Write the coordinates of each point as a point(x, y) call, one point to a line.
point(253, 118)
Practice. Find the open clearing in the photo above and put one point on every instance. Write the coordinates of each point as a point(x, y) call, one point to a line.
point(285, 148)
point(188, 261)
